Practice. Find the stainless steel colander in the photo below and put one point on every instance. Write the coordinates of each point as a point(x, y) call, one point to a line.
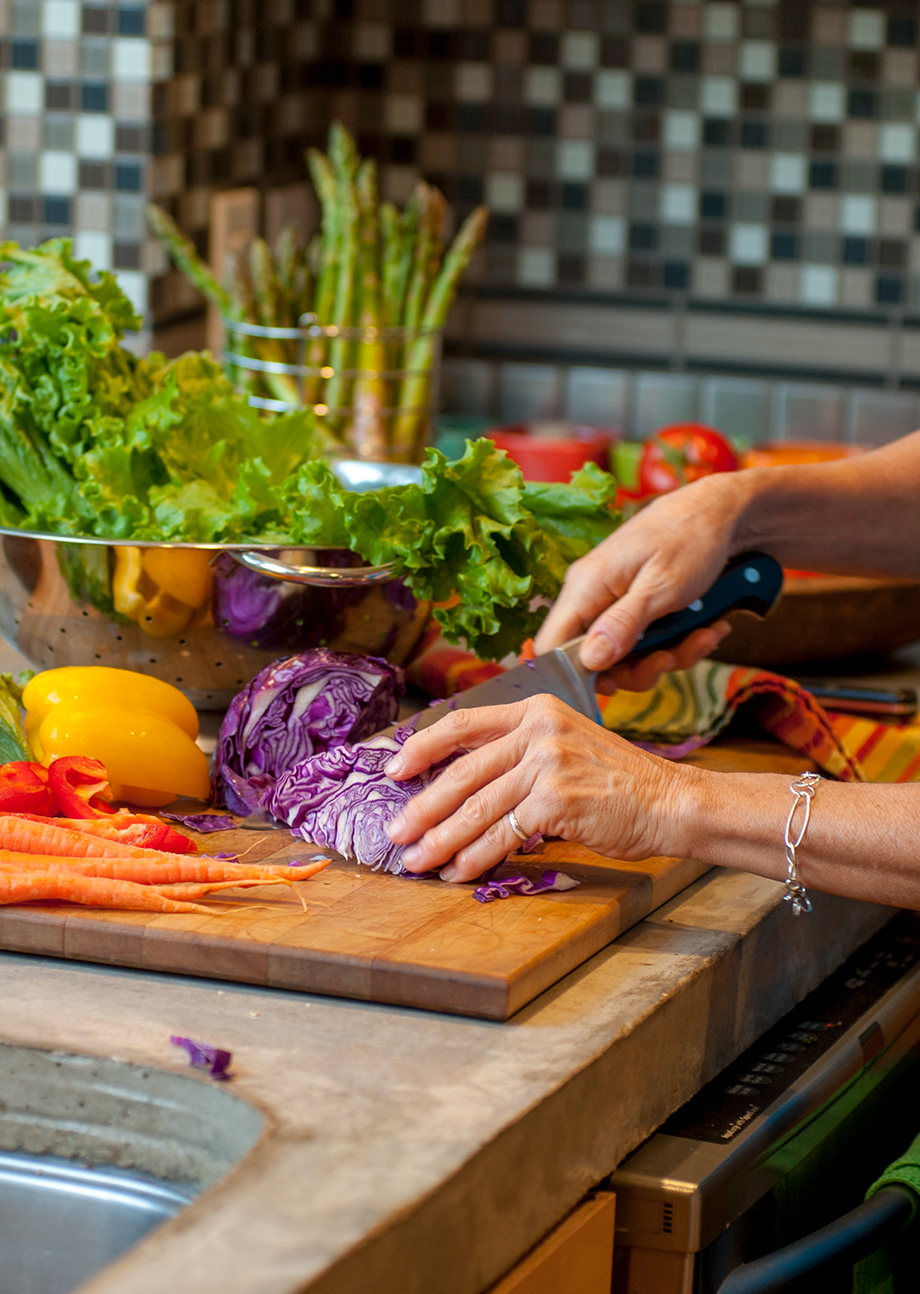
point(204, 617)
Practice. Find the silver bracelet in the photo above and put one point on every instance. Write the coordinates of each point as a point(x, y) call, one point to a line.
point(803, 788)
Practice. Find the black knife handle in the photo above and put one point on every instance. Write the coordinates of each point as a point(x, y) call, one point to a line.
point(752, 581)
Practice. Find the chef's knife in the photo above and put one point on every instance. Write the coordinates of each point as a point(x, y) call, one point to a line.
point(751, 582)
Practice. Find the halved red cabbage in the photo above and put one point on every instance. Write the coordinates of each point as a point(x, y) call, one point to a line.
point(342, 800)
point(296, 708)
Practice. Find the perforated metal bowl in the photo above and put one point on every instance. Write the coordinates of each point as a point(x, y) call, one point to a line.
point(70, 601)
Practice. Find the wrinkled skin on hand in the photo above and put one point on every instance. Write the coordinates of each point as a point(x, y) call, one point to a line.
point(561, 774)
point(657, 562)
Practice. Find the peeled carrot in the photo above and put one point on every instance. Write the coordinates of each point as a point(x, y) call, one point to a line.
point(17, 887)
point(49, 836)
point(164, 869)
point(146, 834)
point(191, 890)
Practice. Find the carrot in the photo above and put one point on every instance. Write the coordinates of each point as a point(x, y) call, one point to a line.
point(48, 838)
point(17, 887)
point(162, 869)
point(190, 890)
point(127, 828)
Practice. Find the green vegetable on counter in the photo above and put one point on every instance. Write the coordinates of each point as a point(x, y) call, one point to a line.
point(13, 744)
point(95, 441)
point(370, 268)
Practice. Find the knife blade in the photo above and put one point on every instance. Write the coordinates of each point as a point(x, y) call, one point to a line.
point(751, 582)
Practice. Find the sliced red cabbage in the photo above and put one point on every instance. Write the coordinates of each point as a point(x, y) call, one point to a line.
point(203, 1056)
point(342, 800)
point(508, 885)
point(294, 709)
point(201, 822)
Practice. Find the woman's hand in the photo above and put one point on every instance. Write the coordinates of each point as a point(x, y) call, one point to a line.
point(561, 774)
point(658, 561)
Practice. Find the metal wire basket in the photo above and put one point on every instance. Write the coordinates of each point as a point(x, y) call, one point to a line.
point(374, 390)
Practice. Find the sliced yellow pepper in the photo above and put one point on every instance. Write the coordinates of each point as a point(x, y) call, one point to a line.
point(160, 589)
point(101, 686)
point(142, 729)
point(148, 758)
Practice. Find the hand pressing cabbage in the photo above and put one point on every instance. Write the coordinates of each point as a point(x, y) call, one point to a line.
point(299, 707)
point(342, 800)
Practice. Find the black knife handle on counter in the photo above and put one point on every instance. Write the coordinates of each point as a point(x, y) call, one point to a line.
point(751, 582)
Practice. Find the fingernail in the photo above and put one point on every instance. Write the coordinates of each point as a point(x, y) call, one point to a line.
point(394, 766)
point(412, 855)
point(597, 650)
point(448, 873)
point(394, 828)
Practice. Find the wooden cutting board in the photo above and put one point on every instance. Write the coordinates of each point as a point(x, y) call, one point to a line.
point(382, 938)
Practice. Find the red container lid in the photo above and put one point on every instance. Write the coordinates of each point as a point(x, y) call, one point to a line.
point(553, 457)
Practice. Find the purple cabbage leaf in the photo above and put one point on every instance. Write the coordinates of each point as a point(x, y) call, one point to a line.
point(296, 708)
point(201, 1055)
point(519, 884)
point(201, 822)
point(342, 800)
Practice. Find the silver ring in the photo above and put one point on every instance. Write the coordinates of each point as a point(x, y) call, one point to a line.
point(516, 827)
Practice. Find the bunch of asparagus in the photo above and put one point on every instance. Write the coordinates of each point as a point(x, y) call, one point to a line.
point(378, 283)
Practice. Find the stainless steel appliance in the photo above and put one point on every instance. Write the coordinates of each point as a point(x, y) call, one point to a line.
point(784, 1141)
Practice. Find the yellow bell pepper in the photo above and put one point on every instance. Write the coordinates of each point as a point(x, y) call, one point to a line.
point(160, 589)
point(142, 729)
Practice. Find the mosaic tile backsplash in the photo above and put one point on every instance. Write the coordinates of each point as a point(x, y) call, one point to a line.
point(752, 154)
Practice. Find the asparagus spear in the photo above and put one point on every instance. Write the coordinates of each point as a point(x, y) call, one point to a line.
point(369, 431)
point(289, 266)
point(391, 249)
point(327, 278)
point(342, 153)
point(190, 263)
point(267, 297)
point(183, 252)
point(417, 289)
point(414, 390)
point(335, 393)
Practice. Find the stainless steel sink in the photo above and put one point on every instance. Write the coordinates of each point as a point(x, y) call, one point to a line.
point(60, 1223)
point(95, 1153)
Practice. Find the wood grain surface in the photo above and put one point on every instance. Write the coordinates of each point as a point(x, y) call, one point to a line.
point(380, 938)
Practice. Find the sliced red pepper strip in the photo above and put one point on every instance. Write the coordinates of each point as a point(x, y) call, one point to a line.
point(163, 837)
point(24, 788)
point(78, 783)
point(129, 828)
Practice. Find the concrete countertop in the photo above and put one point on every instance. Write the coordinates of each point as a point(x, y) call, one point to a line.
point(407, 1152)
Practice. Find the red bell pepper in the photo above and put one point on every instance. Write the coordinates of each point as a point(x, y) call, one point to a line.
point(24, 788)
point(79, 785)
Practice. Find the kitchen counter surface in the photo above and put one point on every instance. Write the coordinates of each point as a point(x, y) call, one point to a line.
point(414, 1153)
point(407, 1152)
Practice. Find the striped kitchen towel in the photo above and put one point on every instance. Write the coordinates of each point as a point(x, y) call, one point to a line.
point(689, 708)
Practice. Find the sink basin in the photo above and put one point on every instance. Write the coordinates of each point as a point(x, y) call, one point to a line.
point(95, 1153)
point(61, 1222)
